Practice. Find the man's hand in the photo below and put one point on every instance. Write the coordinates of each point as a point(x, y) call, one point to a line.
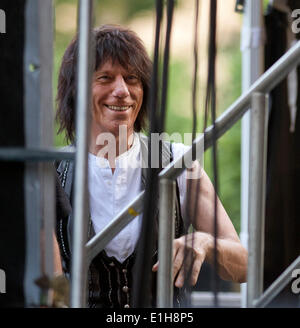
point(189, 252)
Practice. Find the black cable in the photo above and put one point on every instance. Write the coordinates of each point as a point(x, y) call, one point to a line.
point(211, 100)
point(142, 281)
point(170, 9)
point(191, 214)
point(195, 80)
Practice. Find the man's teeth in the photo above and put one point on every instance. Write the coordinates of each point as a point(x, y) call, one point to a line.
point(118, 108)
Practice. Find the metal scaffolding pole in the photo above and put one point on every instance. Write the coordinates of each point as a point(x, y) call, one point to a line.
point(257, 183)
point(165, 243)
point(79, 263)
point(39, 177)
point(252, 48)
point(49, 154)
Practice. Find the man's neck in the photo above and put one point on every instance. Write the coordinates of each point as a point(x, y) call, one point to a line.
point(110, 146)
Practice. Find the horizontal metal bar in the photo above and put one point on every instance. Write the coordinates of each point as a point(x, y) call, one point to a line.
point(33, 155)
point(206, 299)
point(98, 242)
point(274, 75)
point(276, 287)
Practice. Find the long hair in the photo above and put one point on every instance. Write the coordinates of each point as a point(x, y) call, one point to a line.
point(113, 42)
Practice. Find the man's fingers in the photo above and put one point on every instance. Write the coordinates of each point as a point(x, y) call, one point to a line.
point(196, 270)
point(176, 247)
point(177, 263)
point(185, 270)
point(187, 262)
point(180, 278)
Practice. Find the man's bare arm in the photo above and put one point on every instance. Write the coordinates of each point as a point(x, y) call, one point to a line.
point(197, 247)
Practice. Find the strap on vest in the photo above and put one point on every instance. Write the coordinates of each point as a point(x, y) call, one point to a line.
point(65, 172)
point(167, 156)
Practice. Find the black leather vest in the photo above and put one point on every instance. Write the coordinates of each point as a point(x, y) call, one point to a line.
point(109, 281)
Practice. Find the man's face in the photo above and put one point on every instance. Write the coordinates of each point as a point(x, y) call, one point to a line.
point(117, 98)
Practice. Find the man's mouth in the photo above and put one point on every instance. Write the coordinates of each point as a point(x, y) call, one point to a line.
point(118, 108)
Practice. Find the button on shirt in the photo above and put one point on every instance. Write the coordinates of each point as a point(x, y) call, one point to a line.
point(111, 192)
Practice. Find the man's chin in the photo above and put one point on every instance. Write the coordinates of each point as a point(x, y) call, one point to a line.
point(120, 130)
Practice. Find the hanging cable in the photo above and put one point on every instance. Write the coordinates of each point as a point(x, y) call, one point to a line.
point(163, 107)
point(195, 79)
point(165, 76)
point(157, 119)
point(192, 198)
point(142, 282)
point(211, 102)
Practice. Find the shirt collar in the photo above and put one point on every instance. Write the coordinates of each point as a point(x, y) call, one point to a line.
point(122, 160)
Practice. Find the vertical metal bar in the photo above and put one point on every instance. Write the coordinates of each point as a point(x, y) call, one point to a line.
point(46, 11)
point(252, 48)
point(165, 243)
point(39, 178)
point(83, 102)
point(257, 182)
point(32, 183)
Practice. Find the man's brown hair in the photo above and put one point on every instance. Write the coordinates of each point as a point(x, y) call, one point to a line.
point(113, 42)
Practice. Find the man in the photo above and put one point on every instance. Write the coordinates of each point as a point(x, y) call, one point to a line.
point(120, 90)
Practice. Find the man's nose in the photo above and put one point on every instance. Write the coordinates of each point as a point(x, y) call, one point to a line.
point(120, 88)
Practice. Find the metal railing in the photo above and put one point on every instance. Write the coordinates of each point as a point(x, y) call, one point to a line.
point(255, 95)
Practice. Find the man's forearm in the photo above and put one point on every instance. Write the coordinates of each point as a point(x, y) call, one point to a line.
point(232, 260)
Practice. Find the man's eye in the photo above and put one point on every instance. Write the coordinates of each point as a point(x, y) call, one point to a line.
point(103, 77)
point(132, 78)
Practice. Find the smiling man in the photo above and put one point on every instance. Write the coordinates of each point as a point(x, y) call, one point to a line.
point(117, 99)
point(120, 90)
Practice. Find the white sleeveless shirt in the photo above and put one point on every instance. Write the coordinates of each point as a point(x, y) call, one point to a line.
point(111, 192)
